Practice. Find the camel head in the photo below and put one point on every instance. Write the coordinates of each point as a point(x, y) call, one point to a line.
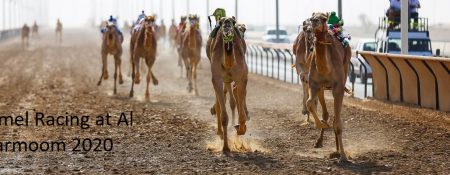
point(183, 19)
point(110, 34)
point(194, 20)
point(309, 35)
point(319, 22)
point(227, 31)
point(149, 23)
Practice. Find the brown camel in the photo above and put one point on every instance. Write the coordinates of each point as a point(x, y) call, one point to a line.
point(328, 69)
point(191, 46)
point(59, 28)
point(179, 38)
point(112, 44)
point(173, 34)
point(34, 30)
point(303, 47)
point(227, 66)
point(25, 36)
point(143, 45)
point(242, 28)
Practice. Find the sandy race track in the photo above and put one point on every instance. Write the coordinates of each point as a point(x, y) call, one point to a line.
point(174, 131)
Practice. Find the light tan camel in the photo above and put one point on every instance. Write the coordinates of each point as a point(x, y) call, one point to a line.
point(143, 44)
point(162, 31)
point(25, 36)
point(111, 44)
point(191, 46)
point(242, 28)
point(35, 30)
point(173, 34)
point(302, 48)
point(59, 28)
point(328, 71)
point(227, 66)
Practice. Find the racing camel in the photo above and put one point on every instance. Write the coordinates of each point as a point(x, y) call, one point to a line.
point(328, 71)
point(112, 44)
point(59, 28)
point(226, 51)
point(191, 46)
point(178, 41)
point(25, 36)
point(143, 45)
point(173, 34)
point(35, 30)
point(302, 48)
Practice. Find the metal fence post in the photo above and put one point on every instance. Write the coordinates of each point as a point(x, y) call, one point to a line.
point(278, 63)
point(284, 70)
point(267, 61)
point(261, 56)
point(273, 56)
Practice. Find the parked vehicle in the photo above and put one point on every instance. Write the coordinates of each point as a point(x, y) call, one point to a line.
point(389, 41)
point(270, 35)
point(359, 64)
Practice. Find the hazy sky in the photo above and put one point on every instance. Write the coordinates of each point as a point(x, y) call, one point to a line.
point(80, 13)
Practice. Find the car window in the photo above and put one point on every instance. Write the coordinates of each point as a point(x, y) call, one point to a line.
point(370, 46)
point(415, 45)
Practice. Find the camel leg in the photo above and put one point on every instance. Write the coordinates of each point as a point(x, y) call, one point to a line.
point(194, 72)
point(115, 74)
point(119, 64)
point(305, 98)
point(310, 103)
point(132, 78)
point(154, 79)
point(325, 116)
point(105, 66)
point(216, 109)
point(188, 74)
point(229, 89)
point(241, 88)
point(217, 81)
point(338, 94)
point(137, 73)
point(149, 76)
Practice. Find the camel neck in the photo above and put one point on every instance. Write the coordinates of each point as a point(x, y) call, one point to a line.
point(320, 51)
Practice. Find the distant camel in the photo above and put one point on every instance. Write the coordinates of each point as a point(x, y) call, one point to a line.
point(173, 34)
point(179, 37)
point(191, 46)
point(59, 28)
point(328, 69)
point(35, 30)
point(111, 44)
point(143, 44)
point(226, 52)
point(25, 36)
point(162, 31)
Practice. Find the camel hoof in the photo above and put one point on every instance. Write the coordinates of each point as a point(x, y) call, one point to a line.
point(241, 129)
point(213, 111)
point(335, 155)
point(131, 94)
point(226, 151)
point(305, 112)
point(318, 144)
point(155, 82)
point(322, 125)
point(344, 160)
point(147, 96)
point(115, 91)
point(136, 81)
point(120, 81)
point(99, 83)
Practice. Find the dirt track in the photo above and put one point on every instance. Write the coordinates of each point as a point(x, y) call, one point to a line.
point(174, 132)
